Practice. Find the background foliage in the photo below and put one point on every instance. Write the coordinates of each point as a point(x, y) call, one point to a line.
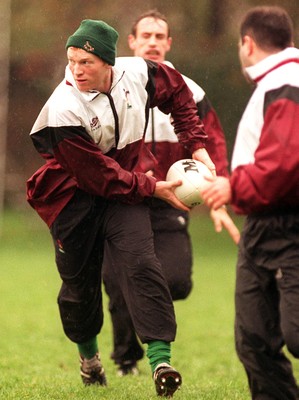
point(205, 36)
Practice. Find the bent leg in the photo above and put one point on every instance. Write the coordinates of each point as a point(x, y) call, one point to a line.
point(130, 239)
point(258, 336)
point(79, 251)
point(173, 251)
point(288, 284)
point(173, 247)
point(126, 346)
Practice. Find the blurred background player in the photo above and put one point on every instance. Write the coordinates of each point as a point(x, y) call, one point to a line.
point(150, 39)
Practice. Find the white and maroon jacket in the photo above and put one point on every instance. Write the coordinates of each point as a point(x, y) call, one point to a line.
point(265, 162)
point(95, 141)
point(164, 143)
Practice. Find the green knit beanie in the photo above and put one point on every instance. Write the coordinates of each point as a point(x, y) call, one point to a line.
point(95, 37)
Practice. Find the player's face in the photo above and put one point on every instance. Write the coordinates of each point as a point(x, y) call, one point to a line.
point(89, 71)
point(151, 41)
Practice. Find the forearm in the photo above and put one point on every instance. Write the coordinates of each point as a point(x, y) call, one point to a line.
point(100, 175)
point(172, 96)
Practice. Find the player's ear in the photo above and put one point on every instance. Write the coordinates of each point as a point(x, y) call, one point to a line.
point(249, 44)
point(132, 42)
point(169, 43)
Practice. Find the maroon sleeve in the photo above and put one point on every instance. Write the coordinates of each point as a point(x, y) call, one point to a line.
point(172, 96)
point(216, 143)
point(272, 181)
point(100, 175)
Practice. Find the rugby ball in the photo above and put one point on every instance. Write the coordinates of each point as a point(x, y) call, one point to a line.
point(192, 173)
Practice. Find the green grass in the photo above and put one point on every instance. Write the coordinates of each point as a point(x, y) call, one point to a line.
point(37, 360)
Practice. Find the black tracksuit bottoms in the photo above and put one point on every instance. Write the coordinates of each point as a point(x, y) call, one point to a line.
point(267, 304)
point(79, 234)
point(174, 250)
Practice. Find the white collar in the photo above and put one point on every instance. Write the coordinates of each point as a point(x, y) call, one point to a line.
point(260, 69)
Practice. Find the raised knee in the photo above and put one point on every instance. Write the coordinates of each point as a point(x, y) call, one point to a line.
point(292, 344)
point(180, 291)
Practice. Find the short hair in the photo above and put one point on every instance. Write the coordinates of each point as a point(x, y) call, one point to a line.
point(154, 13)
point(270, 27)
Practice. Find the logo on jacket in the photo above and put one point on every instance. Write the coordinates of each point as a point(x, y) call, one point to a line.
point(129, 105)
point(95, 123)
point(88, 46)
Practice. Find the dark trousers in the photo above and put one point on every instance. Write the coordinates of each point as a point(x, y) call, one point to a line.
point(79, 234)
point(173, 248)
point(267, 305)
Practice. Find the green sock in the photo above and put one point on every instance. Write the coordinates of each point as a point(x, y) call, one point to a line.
point(158, 352)
point(88, 349)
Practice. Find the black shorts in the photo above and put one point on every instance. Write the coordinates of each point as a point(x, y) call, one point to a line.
point(79, 234)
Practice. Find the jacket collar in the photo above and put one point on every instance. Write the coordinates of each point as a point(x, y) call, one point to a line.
point(89, 96)
point(261, 69)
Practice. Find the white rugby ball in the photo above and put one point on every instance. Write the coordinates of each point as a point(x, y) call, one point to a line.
point(192, 173)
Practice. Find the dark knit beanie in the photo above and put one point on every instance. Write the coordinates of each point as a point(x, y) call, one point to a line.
point(97, 38)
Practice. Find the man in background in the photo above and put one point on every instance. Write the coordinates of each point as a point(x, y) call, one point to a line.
point(264, 186)
point(150, 39)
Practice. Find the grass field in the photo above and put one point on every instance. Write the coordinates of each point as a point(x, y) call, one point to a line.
point(38, 362)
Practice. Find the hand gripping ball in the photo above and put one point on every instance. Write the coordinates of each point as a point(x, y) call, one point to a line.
point(192, 173)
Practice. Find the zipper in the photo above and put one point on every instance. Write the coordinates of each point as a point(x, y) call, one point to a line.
point(116, 135)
